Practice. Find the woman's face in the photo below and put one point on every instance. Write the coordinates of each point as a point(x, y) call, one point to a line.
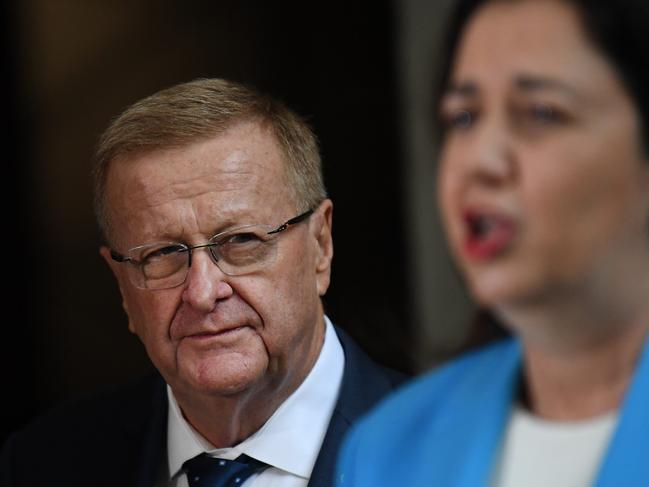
point(544, 188)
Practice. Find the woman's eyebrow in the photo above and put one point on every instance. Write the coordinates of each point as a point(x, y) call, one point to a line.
point(524, 82)
point(461, 89)
point(533, 83)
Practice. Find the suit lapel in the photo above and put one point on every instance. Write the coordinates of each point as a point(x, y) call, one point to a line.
point(364, 384)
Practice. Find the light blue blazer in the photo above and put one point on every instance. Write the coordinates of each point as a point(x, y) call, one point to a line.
point(446, 428)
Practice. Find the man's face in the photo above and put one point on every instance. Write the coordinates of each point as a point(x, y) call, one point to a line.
point(216, 334)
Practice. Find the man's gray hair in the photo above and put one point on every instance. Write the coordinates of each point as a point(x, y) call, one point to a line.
point(198, 110)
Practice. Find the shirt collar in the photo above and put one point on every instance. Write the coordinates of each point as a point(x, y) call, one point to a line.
point(299, 425)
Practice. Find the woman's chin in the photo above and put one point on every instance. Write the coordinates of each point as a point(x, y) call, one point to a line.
point(499, 290)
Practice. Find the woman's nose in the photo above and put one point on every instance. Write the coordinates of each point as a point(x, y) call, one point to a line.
point(491, 153)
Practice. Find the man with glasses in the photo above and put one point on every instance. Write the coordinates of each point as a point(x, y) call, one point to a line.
point(217, 228)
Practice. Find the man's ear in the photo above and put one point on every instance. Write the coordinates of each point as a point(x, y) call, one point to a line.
point(325, 247)
point(120, 276)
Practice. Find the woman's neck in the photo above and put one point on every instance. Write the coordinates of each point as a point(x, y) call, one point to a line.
point(579, 361)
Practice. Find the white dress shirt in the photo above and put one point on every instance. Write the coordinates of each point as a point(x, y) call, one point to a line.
point(289, 441)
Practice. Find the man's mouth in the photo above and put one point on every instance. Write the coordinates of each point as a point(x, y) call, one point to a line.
point(223, 333)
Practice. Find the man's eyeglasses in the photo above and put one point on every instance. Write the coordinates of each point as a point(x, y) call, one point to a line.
point(237, 251)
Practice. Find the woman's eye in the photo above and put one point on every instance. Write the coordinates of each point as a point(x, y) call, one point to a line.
point(460, 119)
point(543, 113)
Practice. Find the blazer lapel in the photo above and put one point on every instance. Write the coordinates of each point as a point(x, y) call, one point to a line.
point(627, 460)
point(473, 420)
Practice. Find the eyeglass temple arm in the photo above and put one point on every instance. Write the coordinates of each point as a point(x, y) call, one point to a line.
point(116, 256)
point(292, 221)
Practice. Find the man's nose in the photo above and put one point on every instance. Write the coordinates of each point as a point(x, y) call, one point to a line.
point(206, 283)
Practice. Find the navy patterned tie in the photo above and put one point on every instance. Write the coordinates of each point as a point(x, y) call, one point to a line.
point(206, 471)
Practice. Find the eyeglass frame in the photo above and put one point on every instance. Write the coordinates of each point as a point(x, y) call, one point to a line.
point(123, 259)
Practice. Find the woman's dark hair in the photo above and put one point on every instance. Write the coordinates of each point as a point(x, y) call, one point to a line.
point(619, 29)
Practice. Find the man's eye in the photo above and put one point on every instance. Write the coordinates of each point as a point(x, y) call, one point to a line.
point(242, 238)
point(161, 252)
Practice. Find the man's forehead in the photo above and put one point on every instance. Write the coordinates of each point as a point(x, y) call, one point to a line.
point(157, 180)
point(244, 156)
point(215, 182)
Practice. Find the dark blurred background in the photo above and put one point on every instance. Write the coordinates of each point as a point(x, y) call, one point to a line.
point(359, 71)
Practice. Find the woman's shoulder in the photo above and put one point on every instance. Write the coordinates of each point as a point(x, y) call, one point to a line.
point(450, 387)
point(422, 415)
point(473, 369)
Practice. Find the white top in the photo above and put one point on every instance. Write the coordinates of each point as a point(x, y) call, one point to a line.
point(291, 438)
point(541, 453)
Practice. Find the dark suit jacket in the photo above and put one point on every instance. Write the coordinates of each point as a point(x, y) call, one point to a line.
point(118, 438)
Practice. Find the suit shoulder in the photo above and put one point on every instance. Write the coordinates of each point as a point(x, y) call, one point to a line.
point(96, 415)
point(124, 424)
point(361, 370)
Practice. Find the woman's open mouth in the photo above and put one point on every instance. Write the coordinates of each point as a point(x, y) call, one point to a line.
point(487, 234)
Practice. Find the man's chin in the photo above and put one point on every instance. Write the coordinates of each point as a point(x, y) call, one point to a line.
point(226, 374)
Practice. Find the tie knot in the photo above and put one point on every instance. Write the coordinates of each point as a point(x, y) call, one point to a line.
point(206, 471)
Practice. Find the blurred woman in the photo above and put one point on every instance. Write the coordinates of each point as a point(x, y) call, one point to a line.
point(544, 193)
